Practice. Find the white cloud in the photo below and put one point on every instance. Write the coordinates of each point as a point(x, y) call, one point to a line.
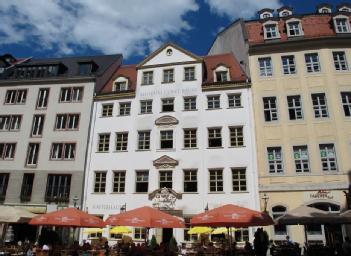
point(240, 8)
point(111, 26)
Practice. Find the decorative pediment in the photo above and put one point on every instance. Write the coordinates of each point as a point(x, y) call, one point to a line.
point(166, 120)
point(165, 162)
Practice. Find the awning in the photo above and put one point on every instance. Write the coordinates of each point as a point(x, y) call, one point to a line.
point(15, 214)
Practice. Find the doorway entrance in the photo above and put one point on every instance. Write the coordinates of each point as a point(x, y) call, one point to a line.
point(167, 234)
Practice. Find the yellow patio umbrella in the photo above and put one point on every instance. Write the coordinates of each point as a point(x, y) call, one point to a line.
point(199, 230)
point(90, 231)
point(120, 230)
point(223, 230)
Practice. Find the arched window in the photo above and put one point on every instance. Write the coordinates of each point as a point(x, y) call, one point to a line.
point(277, 211)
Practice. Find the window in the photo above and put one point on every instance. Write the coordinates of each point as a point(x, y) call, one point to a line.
point(140, 233)
point(104, 142)
point(270, 109)
point(145, 106)
point(85, 68)
point(213, 102)
point(275, 160)
point(148, 77)
point(67, 121)
point(27, 186)
point(190, 181)
point(328, 157)
point(340, 61)
point(124, 108)
point(295, 107)
point(7, 151)
point(294, 29)
point(189, 103)
point(312, 62)
point(271, 31)
point(63, 151)
point(216, 180)
point(265, 65)
point(4, 181)
point(10, 122)
point(342, 25)
point(222, 76)
point(119, 181)
point(301, 159)
point(239, 179)
point(168, 75)
point(277, 211)
point(187, 237)
point(234, 100)
point(38, 125)
point(121, 141)
point(144, 140)
point(167, 105)
point(346, 103)
point(166, 139)
point(16, 97)
point(189, 74)
point(320, 107)
point(58, 188)
point(142, 182)
point(241, 234)
point(236, 136)
point(165, 179)
point(107, 110)
point(32, 154)
point(214, 137)
point(43, 98)
point(100, 182)
point(71, 94)
point(120, 86)
point(190, 138)
point(289, 65)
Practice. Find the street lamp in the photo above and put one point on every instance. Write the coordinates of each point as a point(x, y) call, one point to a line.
point(123, 208)
point(75, 201)
point(265, 201)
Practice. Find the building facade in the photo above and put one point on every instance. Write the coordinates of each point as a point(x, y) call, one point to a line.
point(175, 126)
point(300, 72)
point(44, 128)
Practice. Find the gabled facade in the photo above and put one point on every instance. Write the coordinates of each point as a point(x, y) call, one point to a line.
point(184, 124)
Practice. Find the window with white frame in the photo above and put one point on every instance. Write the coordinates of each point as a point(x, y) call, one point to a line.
point(148, 78)
point(340, 61)
point(295, 107)
point(320, 107)
point(301, 158)
point(190, 180)
point(7, 151)
point(119, 181)
point(328, 157)
point(214, 137)
point(145, 106)
point(43, 98)
point(16, 97)
point(166, 139)
point(213, 102)
point(294, 28)
point(275, 160)
point(37, 125)
point(121, 141)
point(189, 103)
point(168, 105)
point(277, 211)
point(71, 94)
point(144, 140)
point(265, 65)
point(342, 24)
point(289, 65)
point(139, 233)
point(239, 179)
point(107, 110)
point(222, 76)
point(168, 75)
point(190, 138)
point(216, 180)
point(32, 154)
point(236, 136)
point(241, 234)
point(165, 179)
point(10, 122)
point(346, 103)
point(67, 122)
point(63, 151)
point(312, 62)
point(100, 182)
point(142, 181)
point(234, 100)
point(124, 108)
point(120, 86)
point(271, 31)
point(270, 109)
point(103, 142)
point(189, 73)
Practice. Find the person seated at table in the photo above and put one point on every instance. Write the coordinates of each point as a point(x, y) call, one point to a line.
point(288, 241)
point(86, 246)
point(248, 248)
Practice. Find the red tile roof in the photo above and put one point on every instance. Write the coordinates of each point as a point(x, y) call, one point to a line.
point(127, 71)
point(211, 62)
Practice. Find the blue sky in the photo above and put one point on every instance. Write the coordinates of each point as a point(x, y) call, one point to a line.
point(51, 28)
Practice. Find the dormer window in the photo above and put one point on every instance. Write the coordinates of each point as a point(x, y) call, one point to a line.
point(344, 8)
point(266, 13)
point(271, 31)
point(325, 10)
point(120, 85)
point(86, 68)
point(294, 28)
point(342, 24)
point(221, 74)
point(285, 13)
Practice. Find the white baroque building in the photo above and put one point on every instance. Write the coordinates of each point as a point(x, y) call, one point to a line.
point(175, 121)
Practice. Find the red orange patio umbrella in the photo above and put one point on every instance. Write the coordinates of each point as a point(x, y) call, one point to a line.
point(232, 216)
point(69, 217)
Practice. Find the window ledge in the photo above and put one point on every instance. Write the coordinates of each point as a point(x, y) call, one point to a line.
point(141, 114)
point(165, 149)
point(216, 193)
point(101, 152)
point(162, 112)
point(213, 108)
point(122, 115)
point(120, 151)
point(237, 146)
point(32, 166)
point(142, 150)
point(235, 107)
point(215, 147)
point(190, 148)
point(140, 193)
point(190, 193)
point(240, 192)
point(171, 82)
point(189, 80)
point(98, 193)
point(190, 110)
point(105, 116)
point(117, 193)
